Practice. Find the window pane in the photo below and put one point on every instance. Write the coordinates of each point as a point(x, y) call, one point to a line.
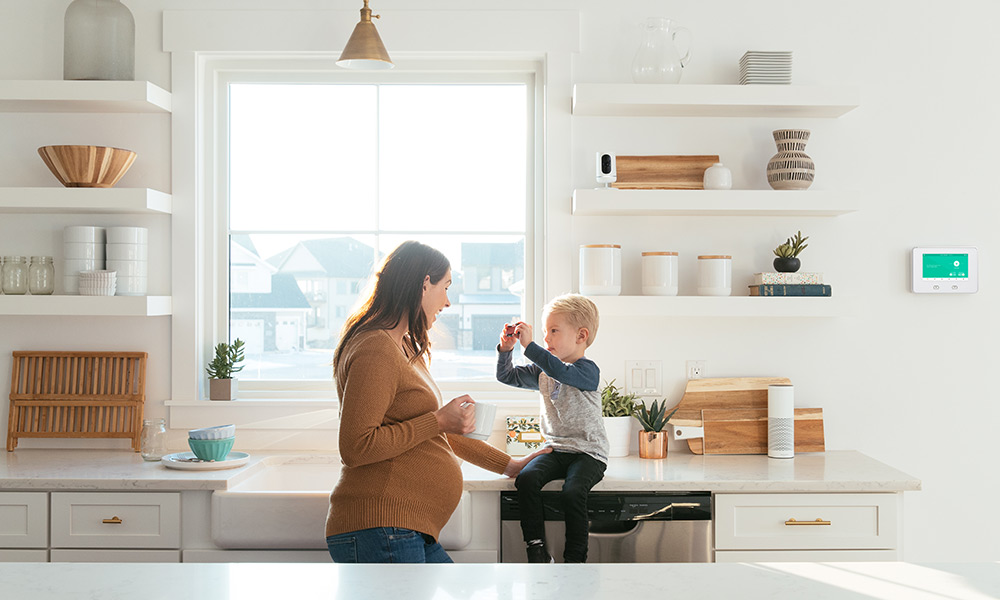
point(465, 336)
point(303, 157)
point(453, 157)
point(289, 298)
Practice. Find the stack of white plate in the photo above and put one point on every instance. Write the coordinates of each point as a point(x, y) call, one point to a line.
point(766, 67)
point(97, 283)
point(128, 249)
point(83, 250)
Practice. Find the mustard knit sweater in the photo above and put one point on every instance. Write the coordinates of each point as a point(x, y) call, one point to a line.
point(399, 469)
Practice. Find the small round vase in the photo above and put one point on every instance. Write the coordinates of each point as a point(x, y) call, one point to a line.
point(718, 177)
point(786, 265)
point(791, 168)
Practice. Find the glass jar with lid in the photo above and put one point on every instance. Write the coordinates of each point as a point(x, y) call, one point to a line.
point(15, 275)
point(41, 276)
point(153, 439)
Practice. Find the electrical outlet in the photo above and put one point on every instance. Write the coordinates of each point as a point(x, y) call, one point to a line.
point(644, 377)
point(695, 369)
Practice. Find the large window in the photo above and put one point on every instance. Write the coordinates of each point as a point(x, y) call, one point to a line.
point(326, 176)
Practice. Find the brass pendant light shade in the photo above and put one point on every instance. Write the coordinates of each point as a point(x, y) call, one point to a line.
point(364, 50)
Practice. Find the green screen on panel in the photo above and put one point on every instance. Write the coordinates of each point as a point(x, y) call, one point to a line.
point(946, 266)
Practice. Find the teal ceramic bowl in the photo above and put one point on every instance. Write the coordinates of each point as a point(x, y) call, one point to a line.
point(211, 450)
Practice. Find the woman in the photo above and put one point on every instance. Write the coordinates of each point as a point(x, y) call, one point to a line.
point(399, 446)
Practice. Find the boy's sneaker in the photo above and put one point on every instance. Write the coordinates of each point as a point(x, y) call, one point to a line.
point(538, 554)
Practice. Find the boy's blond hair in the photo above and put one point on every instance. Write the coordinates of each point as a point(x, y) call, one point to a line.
point(579, 310)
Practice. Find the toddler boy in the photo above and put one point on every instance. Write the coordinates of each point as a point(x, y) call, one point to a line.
point(571, 419)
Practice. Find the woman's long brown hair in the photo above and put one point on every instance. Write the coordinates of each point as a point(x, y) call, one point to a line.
point(397, 293)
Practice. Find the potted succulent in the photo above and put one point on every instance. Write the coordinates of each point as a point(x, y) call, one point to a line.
point(617, 409)
point(787, 260)
point(221, 385)
point(652, 438)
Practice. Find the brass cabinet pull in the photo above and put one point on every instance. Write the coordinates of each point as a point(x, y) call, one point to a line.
point(113, 521)
point(816, 522)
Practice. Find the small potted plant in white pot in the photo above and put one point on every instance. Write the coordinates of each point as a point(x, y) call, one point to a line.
point(221, 385)
point(652, 438)
point(617, 410)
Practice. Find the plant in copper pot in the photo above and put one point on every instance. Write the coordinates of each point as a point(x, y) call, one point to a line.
point(652, 438)
point(787, 260)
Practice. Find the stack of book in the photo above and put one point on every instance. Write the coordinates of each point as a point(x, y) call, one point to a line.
point(789, 284)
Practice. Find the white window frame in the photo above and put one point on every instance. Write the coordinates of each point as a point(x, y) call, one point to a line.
point(226, 71)
point(192, 37)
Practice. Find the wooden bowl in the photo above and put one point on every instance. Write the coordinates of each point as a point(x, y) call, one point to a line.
point(87, 166)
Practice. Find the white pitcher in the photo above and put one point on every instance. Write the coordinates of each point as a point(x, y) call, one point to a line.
point(657, 60)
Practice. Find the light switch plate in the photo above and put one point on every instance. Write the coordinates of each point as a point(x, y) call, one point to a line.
point(644, 377)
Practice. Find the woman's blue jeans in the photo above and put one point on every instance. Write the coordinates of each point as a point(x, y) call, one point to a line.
point(385, 545)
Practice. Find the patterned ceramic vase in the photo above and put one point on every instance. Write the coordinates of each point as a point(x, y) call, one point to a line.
point(791, 168)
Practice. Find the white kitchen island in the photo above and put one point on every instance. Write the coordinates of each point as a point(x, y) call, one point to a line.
point(763, 581)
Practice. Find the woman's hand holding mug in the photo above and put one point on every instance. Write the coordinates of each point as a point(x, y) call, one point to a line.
point(458, 416)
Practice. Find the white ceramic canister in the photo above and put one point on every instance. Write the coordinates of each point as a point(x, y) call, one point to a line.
point(718, 177)
point(600, 270)
point(715, 275)
point(659, 273)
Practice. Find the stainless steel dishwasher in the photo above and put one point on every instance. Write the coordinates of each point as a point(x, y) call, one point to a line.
point(624, 527)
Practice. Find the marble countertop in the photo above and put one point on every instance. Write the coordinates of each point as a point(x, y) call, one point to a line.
point(759, 581)
point(833, 471)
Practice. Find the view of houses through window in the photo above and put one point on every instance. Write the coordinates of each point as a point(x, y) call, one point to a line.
point(319, 194)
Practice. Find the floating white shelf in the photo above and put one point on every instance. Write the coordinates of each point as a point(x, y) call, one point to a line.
point(86, 306)
point(718, 306)
point(664, 100)
point(84, 200)
point(718, 203)
point(83, 96)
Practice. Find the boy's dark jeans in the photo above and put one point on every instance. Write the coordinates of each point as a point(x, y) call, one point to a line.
point(581, 472)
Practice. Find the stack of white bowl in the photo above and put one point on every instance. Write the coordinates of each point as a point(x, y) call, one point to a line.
point(128, 254)
point(83, 250)
point(97, 283)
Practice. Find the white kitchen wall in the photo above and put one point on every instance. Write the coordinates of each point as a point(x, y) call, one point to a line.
point(904, 379)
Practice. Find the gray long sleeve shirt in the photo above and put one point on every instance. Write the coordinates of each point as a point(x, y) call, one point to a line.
point(570, 403)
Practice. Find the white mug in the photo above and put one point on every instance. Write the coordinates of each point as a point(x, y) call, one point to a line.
point(485, 415)
point(715, 275)
point(659, 273)
point(600, 270)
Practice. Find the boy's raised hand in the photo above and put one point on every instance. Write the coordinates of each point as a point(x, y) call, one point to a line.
point(523, 332)
point(507, 338)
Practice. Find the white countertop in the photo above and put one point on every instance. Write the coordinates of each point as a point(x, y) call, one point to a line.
point(834, 471)
point(761, 581)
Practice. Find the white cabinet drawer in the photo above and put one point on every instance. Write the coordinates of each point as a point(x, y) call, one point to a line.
point(24, 520)
point(806, 521)
point(24, 556)
point(115, 520)
point(747, 556)
point(117, 556)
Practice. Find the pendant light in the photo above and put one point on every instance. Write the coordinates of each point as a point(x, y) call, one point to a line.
point(364, 50)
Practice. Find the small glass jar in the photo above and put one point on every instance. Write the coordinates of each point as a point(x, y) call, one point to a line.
point(15, 275)
point(41, 276)
point(153, 439)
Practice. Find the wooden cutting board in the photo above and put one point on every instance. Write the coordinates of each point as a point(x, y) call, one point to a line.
point(733, 413)
point(662, 172)
point(744, 431)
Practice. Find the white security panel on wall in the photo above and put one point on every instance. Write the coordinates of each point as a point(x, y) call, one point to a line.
point(945, 270)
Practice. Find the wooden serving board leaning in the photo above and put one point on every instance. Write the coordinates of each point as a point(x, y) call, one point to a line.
point(662, 172)
point(733, 414)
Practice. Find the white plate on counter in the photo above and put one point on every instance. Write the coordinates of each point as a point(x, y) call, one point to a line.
point(187, 461)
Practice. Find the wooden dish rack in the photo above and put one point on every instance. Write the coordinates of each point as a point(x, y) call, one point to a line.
point(76, 395)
